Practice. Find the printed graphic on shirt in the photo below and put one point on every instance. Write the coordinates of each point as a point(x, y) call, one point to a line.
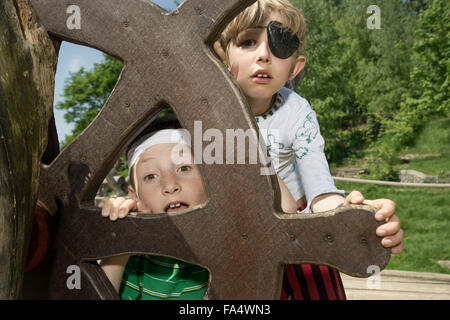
point(301, 152)
point(307, 131)
point(273, 144)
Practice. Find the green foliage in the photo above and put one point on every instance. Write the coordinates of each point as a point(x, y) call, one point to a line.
point(85, 93)
point(428, 92)
point(355, 76)
point(431, 61)
point(375, 87)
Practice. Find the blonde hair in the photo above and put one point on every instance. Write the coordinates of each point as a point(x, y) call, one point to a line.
point(256, 14)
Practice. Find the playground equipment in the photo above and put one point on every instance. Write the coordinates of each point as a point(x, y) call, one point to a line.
point(240, 235)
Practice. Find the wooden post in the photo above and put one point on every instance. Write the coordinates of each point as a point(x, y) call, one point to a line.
point(27, 68)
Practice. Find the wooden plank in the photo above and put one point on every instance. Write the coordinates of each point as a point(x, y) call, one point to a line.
point(399, 285)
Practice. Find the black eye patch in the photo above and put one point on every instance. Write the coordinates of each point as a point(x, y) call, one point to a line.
point(282, 42)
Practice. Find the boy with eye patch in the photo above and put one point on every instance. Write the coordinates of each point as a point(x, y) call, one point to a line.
point(261, 48)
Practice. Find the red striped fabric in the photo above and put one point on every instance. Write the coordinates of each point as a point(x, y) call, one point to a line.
point(296, 291)
point(324, 271)
point(311, 282)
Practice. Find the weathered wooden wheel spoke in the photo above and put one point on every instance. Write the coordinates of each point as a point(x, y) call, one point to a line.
point(99, 22)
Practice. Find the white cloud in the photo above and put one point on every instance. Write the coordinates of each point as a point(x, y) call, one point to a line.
point(75, 63)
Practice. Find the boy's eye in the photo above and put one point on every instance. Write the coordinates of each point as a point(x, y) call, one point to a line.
point(247, 43)
point(150, 176)
point(248, 38)
point(185, 168)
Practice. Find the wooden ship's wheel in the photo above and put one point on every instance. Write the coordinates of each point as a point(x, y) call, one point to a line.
point(240, 235)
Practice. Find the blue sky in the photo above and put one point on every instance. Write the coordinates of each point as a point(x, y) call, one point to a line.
point(71, 58)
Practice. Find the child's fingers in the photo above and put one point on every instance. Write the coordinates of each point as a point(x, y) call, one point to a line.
point(385, 208)
point(392, 235)
point(389, 228)
point(115, 205)
point(354, 197)
point(127, 206)
point(105, 204)
point(393, 241)
point(397, 249)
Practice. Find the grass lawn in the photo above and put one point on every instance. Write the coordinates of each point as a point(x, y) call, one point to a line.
point(434, 140)
point(424, 212)
point(425, 217)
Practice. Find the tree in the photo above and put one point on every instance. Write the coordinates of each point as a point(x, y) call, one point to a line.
point(86, 91)
point(431, 61)
point(326, 82)
point(428, 94)
point(27, 68)
point(358, 77)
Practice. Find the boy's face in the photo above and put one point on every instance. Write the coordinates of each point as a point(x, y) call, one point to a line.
point(164, 185)
point(259, 73)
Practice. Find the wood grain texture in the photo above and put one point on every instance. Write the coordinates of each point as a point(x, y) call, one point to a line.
point(27, 69)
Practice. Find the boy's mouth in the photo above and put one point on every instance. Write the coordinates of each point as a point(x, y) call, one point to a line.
point(261, 76)
point(176, 206)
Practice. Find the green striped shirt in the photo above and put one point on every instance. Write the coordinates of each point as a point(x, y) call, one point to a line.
point(148, 277)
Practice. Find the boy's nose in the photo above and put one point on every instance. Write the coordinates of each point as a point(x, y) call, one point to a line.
point(170, 185)
point(263, 52)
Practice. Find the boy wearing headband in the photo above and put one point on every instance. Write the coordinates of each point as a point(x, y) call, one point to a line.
point(261, 48)
point(163, 178)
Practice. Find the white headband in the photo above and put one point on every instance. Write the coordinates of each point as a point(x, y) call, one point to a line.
point(179, 136)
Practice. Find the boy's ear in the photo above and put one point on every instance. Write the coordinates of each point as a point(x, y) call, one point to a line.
point(139, 205)
point(297, 66)
point(132, 194)
point(219, 51)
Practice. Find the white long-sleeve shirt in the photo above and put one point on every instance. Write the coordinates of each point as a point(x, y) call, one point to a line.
point(292, 135)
